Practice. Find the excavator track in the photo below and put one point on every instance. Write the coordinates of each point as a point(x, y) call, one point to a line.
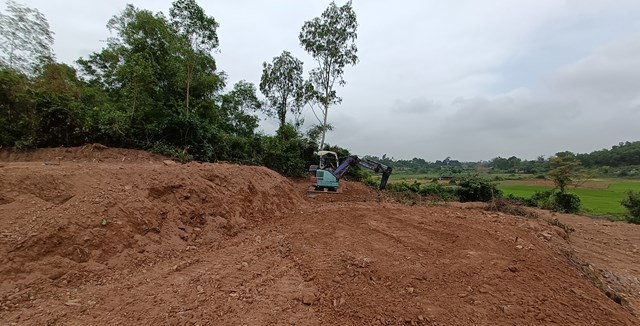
point(312, 190)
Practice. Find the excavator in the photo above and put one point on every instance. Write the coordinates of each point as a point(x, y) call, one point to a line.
point(328, 173)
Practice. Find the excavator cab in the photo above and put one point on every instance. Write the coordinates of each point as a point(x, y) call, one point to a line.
point(328, 160)
point(323, 177)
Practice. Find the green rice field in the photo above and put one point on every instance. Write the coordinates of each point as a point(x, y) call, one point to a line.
point(598, 197)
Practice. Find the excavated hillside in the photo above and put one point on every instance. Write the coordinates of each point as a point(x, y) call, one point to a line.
point(97, 236)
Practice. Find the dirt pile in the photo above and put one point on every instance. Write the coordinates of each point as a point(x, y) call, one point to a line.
point(146, 241)
point(57, 218)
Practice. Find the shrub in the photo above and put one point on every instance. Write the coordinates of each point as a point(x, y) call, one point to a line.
point(566, 203)
point(477, 189)
point(632, 204)
point(430, 189)
point(359, 174)
point(512, 207)
point(370, 181)
point(543, 199)
point(437, 191)
point(404, 187)
point(521, 200)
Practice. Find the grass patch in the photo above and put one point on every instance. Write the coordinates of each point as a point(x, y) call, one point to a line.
point(412, 176)
point(596, 201)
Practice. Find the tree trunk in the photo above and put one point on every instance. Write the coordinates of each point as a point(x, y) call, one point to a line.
point(324, 125)
point(189, 75)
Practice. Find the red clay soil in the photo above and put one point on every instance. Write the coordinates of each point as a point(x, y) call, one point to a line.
point(140, 241)
point(611, 252)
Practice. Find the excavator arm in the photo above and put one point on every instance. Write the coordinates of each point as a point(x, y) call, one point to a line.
point(367, 164)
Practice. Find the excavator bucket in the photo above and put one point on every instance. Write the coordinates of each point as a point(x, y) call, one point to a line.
point(385, 177)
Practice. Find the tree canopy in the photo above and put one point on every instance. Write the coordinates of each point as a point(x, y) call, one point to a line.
point(25, 38)
point(330, 39)
point(283, 86)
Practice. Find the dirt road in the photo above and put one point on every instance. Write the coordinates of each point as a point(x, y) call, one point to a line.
point(116, 237)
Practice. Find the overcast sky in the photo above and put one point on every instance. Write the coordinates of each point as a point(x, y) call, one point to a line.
point(468, 79)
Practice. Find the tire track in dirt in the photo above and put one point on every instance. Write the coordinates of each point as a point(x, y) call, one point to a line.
point(610, 251)
point(419, 274)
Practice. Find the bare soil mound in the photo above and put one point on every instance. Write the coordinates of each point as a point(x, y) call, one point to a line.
point(58, 221)
point(151, 242)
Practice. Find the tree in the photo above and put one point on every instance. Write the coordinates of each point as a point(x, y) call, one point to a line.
point(142, 71)
point(198, 31)
point(564, 165)
point(314, 133)
point(14, 106)
point(330, 39)
point(25, 38)
point(283, 86)
point(239, 105)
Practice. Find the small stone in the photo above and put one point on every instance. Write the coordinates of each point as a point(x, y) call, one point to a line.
point(200, 289)
point(420, 317)
point(546, 235)
point(56, 275)
point(245, 264)
point(308, 297)
point(410, 290)
point(519, 247)
point(75, 302)
point(513, 269)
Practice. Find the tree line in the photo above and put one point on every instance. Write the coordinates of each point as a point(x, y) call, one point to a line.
point(156, 86)
point(625, 156)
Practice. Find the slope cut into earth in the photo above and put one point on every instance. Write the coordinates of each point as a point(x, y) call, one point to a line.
point(129, 238)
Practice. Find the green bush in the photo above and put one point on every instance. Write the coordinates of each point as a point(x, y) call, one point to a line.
point(521, 200)
point(632, 203)
point(359, 174)
point(373, 182)
point(566, 202)
point(435, 190)
point(404, 187)
point(477, 189)
point(543, 199)
point(430, 190)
